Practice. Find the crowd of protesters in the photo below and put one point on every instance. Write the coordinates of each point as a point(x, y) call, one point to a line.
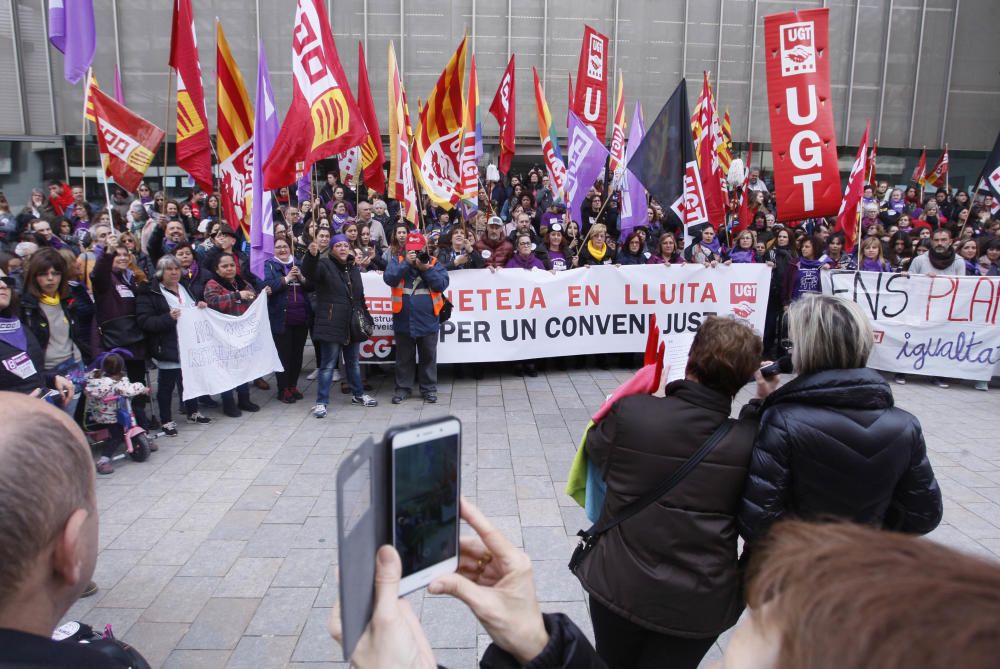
point(87, 278)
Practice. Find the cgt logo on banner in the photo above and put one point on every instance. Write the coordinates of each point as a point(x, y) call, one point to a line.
point(806, 176)
point(517, 315)
point(931, 325)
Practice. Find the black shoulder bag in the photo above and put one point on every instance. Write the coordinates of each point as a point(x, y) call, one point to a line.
point(362, 324)
point(588, 538)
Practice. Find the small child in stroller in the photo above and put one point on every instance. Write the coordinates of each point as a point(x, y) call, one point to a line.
point(108, 393)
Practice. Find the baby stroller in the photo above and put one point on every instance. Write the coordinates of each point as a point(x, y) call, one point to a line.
point(136, 440)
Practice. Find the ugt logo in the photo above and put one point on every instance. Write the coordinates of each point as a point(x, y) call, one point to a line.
point(798, 48)
point(743, 292)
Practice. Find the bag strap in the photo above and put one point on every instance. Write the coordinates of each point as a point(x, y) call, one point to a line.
point(635, 507)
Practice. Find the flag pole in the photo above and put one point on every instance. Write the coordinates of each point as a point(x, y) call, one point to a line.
point(166, 125)
point(83, 136)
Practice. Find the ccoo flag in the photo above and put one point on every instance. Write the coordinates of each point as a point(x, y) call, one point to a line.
point(665, 163)
point(127, 142)
point(938, 175)
point(194, 146)
point(234, 138)
point(323, 118)
point(437, 145)
point(849, 216)
point(550, 143)
point(372, 153)
point(504, 109)
point(264, 133)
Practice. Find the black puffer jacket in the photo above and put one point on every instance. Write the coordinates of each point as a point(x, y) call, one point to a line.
point(834, 444)
point(153, 315)
point(333, 298)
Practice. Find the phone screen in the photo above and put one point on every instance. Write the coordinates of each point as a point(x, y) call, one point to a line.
point(425, 490)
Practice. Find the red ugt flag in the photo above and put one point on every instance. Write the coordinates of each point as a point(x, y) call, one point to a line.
point(503, 109)
point(591, 104)
point(127, 142)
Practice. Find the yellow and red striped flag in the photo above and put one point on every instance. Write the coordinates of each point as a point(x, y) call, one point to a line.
point(234, 138)
point(726, 149)
point(88, 102)
point(437, 146)
point(401, 184)
point(618, 131)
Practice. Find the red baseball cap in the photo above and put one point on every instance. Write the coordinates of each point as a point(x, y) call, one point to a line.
point(415, 241)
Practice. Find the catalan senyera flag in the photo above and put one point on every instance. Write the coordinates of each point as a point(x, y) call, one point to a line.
point(323, 118)
point(127, 142)
point(437, 144)
point(234, 138)
point(194, 146)
point(554, 162)
point(372, 153)
point(401, 185)
point(937, 176)
point(88, 102)
point(469, 159)
point(726, 152)
point(618, 130)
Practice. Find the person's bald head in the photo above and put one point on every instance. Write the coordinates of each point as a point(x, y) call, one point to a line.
point(48, 519)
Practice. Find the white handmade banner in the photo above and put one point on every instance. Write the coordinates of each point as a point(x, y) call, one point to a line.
point(219, 352)
point(933, 325)
point(515, 314)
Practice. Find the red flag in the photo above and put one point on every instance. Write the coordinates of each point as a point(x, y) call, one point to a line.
point(590, 104)
point(372, 153)
point(870, 166)
point(936, 177)
point(744, 217)
point(849, 214)
point(323, 118)
point(803, 141)
point(921, 170)
point(194, 146)
point(709, 167)
point(503, 109)
point(127, 142)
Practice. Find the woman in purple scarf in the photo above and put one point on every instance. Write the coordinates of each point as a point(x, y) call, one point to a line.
point(871, 256)
point(743, 251)
point(525, 257)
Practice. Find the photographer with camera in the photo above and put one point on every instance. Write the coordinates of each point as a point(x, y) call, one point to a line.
point(417, 281)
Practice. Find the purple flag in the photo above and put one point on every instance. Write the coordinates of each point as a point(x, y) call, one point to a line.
point(264, 133)
point(304, 188)
point(73, 31)
point(586, 157)
point(633, 200)
point(119, 95)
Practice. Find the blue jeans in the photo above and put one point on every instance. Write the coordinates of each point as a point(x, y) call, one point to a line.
point(330, 352)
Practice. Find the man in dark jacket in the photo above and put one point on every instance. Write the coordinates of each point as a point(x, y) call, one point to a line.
point(665, 582)
point(339, 292)
point(417, 281)
point(493, 248)
point(831, 441)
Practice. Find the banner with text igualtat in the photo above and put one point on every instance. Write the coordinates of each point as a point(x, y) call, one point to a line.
point(931, 325)
point(515, 314)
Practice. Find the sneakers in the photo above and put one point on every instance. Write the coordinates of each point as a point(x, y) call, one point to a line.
point(170, 429)
point(196, 417)
point(365, 401)
point(337, 376)
point(296, 393)
point(90, 590)
point(400, 396)
point(104, 466)
point(983, 385)
point(939, 382)
point(286, 396)
point(208, 403)
point(901, 379)
point(430, 398)
point(319, 411)
point(313, 375)
point(247, 405)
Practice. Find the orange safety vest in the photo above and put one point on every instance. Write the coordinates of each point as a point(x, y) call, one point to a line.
point(437, 299)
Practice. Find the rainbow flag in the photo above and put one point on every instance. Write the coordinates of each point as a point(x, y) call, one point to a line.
point(550, 142)
point(437, 147)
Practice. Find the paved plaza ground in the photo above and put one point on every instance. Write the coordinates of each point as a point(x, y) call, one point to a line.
point(220, 551)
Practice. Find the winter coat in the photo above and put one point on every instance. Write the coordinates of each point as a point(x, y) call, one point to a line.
point(417, 317)
point(34, 318)
point(671, 568)
point(334, 300)
point(152, 311)
point(568, 648)
point(833, 443)
point(498, 252)
point(277, 302)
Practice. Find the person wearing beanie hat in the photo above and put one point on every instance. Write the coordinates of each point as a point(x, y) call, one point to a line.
point(417, 280)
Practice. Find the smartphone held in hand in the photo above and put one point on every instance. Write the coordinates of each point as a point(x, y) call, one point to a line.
point(425, 466)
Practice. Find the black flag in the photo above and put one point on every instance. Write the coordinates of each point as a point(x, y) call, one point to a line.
point(667, 166)
point(988, 182)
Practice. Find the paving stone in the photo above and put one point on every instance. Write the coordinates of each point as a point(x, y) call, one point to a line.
point(220, 624)
point(447, 623)
point(272, 540)
point(258, 652)
point(282, 612)
point(196, 659)
point(139, 587)
point(291, 510)
point(214, 557)
point(155, 640)
point(315, 644)
point(304, 567)
point(249, 577)
point(181, 600)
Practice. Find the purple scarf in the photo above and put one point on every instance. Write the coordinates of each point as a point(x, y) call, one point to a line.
point(747, 255)
point(12, 333)
point(870, 265)
point(525, 263)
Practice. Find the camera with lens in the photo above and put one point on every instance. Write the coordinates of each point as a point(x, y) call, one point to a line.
point(424, 257)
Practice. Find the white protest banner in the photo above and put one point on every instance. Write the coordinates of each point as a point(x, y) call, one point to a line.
point(219, 352)
point(932, 325)
point(515, 314)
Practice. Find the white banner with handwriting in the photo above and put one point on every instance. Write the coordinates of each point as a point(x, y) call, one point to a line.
point(932, 325)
